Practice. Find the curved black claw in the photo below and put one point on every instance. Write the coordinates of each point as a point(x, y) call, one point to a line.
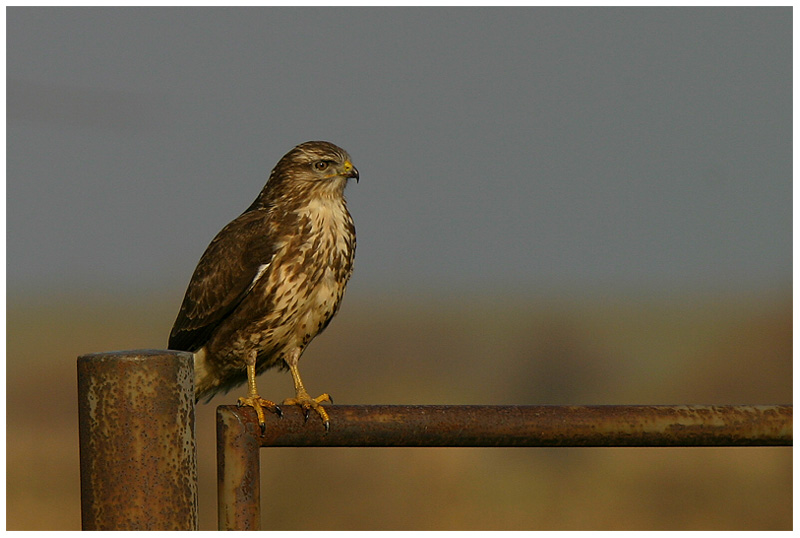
point(306, 413)
point(278, 411)
point(327, 426)
point(263, 427)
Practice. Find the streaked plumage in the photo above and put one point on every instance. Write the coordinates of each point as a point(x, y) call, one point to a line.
point(273, 278)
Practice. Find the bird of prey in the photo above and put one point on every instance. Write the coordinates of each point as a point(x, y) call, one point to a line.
point(272, 279)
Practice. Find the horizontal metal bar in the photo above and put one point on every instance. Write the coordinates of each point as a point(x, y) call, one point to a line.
point(530, 426)
point(479, 426)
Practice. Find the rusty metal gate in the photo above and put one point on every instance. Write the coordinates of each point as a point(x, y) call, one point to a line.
point(138, 452)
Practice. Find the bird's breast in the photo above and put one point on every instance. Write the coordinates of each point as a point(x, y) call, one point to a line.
point(308, 275)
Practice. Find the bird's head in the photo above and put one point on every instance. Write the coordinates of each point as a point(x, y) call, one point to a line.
point(319, 162)
point(326, 161)
point(310, 170)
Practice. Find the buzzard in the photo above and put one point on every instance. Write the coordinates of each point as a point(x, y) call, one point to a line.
point(272, 280)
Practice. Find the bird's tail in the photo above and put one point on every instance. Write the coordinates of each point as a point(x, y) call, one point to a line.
point(210, 380)
point(205, 385)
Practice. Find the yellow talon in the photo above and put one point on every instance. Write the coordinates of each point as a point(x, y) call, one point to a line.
point(307, 403)
point(253, 399)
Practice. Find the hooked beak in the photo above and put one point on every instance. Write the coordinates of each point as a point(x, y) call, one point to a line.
point(350, 171)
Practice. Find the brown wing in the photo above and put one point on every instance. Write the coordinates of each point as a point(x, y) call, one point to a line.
point(235, 259)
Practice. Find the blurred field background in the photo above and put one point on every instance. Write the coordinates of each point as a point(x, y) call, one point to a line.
point(556, 206)
point(448, 350)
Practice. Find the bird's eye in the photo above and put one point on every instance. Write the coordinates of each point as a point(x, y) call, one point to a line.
point(321, 165)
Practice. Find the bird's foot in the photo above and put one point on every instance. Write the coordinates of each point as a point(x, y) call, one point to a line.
point(307, 403)
point(259, 404)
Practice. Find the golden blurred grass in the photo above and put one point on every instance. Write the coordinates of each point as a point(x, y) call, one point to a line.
point(694, 350)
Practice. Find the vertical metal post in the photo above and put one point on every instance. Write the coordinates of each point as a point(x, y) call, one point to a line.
point(137, 441)
point(238, 470)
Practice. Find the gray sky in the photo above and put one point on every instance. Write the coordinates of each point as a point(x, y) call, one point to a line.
point(514, 148)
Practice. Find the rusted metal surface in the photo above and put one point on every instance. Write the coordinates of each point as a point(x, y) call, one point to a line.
point(238, 471)
point(509, 426)
point(238, 434)
point(137, 440)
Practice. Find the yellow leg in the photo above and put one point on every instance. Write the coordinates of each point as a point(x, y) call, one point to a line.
point(306, 402)
point(253, 399)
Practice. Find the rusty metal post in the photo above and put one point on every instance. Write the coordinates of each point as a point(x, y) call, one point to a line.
point(137, 440)
point(238, 471)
